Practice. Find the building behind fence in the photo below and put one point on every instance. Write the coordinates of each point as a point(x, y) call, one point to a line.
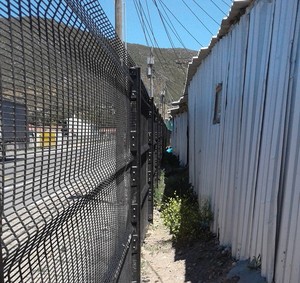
point(243, 121)
point(81, 143)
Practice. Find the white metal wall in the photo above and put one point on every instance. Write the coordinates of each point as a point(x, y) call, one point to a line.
point(248, 165)
point(179, 137)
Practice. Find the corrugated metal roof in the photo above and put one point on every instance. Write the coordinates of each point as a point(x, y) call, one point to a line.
point(237, 10)
point(180, 106)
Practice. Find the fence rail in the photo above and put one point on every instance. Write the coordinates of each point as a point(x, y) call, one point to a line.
point(81, 143)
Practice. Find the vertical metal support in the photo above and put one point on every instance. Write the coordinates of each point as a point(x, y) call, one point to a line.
point(155, 142)
point(159, 144)
point(150, 160)
point(135, 131)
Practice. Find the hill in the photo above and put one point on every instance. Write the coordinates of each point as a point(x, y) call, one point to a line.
point(170, 66)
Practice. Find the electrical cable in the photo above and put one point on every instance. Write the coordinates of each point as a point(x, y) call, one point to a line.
point(206, 13)
point(218, 7)
point(141, 21)
point(170, 24)
point(163, 4)
point(164, 13)
point(226, 3)
point(197, 17)
point(148, 11)
point(165, 28)
point(168, 34)
point(149, 22)
point(141, 14)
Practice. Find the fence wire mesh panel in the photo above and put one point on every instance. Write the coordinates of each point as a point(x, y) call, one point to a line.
point(66, 145)
point(146, 190)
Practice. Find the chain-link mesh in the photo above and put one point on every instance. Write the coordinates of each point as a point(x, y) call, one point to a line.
point(69, 163)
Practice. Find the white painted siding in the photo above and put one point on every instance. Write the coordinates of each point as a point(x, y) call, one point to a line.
point(179, 137)
point(248, 166)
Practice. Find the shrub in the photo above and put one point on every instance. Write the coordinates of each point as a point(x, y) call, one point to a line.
point(186, 219)
point(181, 214)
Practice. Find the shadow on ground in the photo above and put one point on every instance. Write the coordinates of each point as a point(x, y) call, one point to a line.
point(205, 260)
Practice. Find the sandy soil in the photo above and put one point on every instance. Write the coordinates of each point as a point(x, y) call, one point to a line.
point(203, 261)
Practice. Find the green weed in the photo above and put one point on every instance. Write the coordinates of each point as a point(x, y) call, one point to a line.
point(185, 219)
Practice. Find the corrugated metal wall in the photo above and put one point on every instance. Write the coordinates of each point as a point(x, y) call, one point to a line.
point(248, 165)
point(179, 137)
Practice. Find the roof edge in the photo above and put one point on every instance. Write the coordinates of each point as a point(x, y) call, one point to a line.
point(238, 9)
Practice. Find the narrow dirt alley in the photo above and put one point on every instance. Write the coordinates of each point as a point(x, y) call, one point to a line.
point(201, 262)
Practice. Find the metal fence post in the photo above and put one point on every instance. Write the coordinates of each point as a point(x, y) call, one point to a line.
point(150, 160)
point(135, 172)
point(156, 147)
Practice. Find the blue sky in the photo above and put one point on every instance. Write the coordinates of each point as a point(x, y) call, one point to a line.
point(187, 23)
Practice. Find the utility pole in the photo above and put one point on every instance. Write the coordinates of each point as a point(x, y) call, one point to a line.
point(150, 63)
point(118, 18)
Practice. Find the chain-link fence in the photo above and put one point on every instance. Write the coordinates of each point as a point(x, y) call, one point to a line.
point(80, 142)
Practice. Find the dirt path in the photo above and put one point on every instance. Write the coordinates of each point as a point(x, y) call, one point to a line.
point(203, 261)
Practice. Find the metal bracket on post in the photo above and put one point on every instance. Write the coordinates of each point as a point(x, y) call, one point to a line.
point(133, 141)
point(149, 177)
point(134, 176)
point(150, 195)
point(149, 138)
point(134, 213)
point(135, 239)
point(150, 157)
point(133, 96)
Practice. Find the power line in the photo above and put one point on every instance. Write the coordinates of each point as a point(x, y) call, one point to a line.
point(152, 32)
point(206, 12)
point(163, 4)
point(197, 17)
point(141, 15)
point(168, 18)
point(173, 29)
point(226, 3)
point(141, 21)
point(143, 18)
point(165, 28)
point(167, 32)
point(218, 7)
point(151, 26)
